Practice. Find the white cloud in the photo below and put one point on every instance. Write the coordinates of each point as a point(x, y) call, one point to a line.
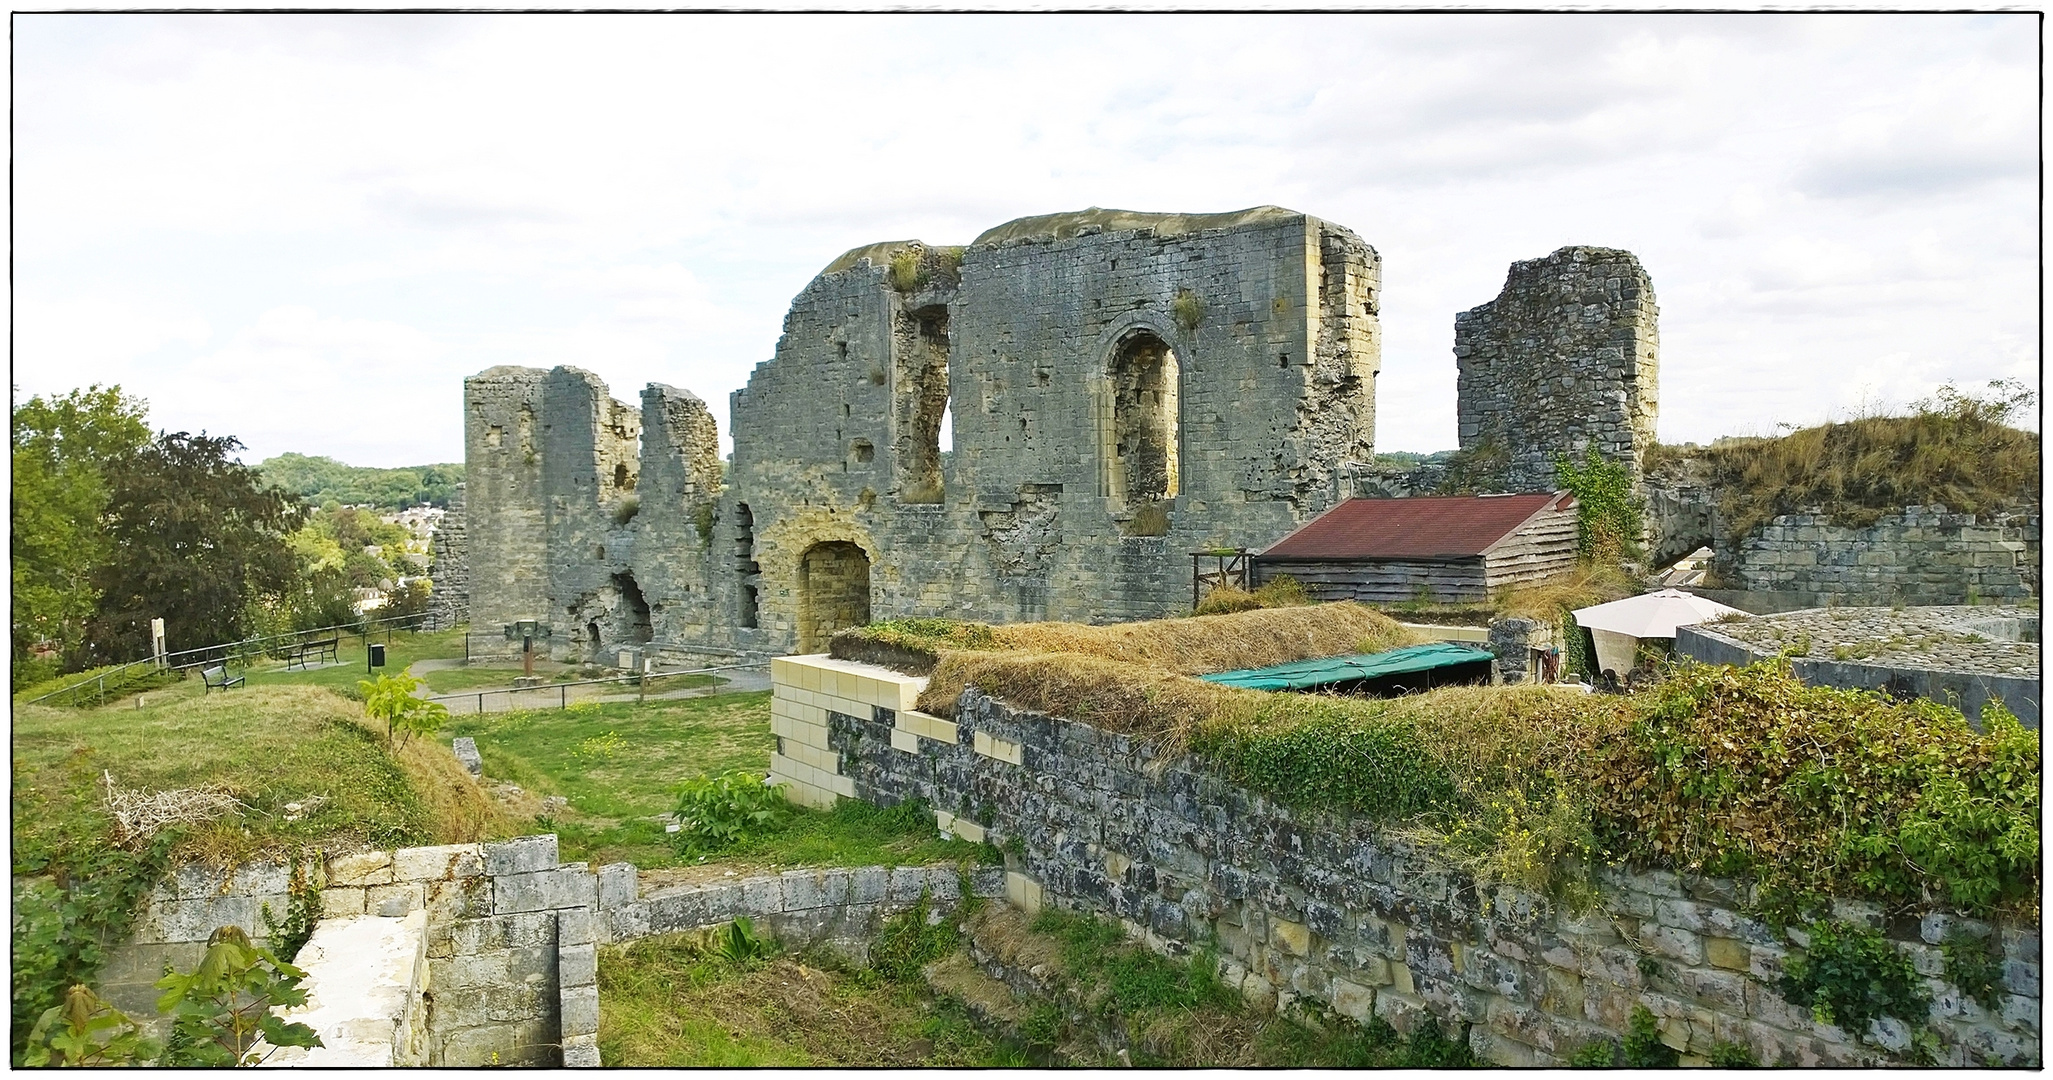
point(1824, 202)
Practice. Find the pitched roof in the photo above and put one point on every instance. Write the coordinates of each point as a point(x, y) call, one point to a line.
point(1427, 527)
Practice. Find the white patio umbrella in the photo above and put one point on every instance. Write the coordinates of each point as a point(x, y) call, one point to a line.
point(1617, 627)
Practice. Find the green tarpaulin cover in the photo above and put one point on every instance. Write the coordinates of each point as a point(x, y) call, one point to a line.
point(1306, 674)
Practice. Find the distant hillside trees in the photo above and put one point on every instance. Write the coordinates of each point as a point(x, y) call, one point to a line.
point(323, 480)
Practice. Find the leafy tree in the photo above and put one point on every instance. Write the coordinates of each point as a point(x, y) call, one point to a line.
point(62, 447)
point(200, 538)
point(220, 1010)
point(391, 699)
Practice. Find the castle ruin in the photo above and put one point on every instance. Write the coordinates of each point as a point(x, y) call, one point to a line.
point(1121, 389)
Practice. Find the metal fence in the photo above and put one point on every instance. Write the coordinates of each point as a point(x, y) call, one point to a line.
point(561, 690)
point(237, 653)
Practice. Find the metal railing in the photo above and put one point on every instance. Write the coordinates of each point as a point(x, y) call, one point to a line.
point(563, 688)
point(240, 653)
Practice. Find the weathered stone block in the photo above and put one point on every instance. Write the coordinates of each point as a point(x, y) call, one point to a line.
point(577, 965)
point(462, 898)
point(503, 932)
point(619, 884)
point(580, 1010)
point(526, 855)
point(576, 926)
point(363, 868)
point(565, 886)
point(1673, 943)
point(395, 900)
point(1727, 953)
point(343, 903)
point(581, 1051)
point(447, 862)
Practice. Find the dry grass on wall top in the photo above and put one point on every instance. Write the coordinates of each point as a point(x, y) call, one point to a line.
point(1198, 645)
point(1956, 450)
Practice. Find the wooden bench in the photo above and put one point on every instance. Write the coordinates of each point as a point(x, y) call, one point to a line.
point(217, 678)
point(325, 648)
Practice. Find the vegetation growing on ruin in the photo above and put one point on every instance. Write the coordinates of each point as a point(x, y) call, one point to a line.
point(1281, 591)
point(303, 767)
point(1608, 513)
point(1192, 646)
point(1807, 791)
point(1171, 1012)
point(1956, 449)
point(676, 1001)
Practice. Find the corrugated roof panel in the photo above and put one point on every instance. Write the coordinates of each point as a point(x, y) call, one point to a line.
point(1307, 674)
point(1427, 527)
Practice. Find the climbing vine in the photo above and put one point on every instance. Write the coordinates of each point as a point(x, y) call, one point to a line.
point(1609, 513)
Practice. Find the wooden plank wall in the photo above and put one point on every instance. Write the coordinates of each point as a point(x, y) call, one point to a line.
point(1385, 582)
point(1543, 548)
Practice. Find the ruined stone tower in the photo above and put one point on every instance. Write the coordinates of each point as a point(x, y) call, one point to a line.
point(1119, 390)
point(1567, 356)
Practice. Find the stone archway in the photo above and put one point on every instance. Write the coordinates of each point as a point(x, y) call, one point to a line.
point(833, 592)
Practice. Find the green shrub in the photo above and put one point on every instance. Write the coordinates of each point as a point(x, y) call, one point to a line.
point(391, 699)
point(85, 1031)
point(1851, 976)
point(739, 944)
point(1602, 1054)
point(911, 940)
point(1608, 514)
point(1974, 965)
point(1814, 791)
point(1188, 309)
point(1643, 1048)
point(32, 672)
point(1731, 1055)
point(716, 812)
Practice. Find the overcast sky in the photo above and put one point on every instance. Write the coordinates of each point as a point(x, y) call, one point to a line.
point(306, 230)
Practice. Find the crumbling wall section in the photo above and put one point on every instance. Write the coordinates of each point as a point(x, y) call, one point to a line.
point(1923, 555)
point(449, 581)
point(678, 493)
point(591, 457)
point(506, 504)
point(1565, 358)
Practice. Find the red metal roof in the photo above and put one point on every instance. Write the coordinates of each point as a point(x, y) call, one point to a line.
point(1428, 527)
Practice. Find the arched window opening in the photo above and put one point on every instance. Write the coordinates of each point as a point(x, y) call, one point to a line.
point(834, 592)
point(1144, 421)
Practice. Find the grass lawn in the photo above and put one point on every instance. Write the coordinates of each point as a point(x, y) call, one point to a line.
point(668, 1002)
point(456, 680)
point(268, 746)
point(403, 650)
point(619, 764)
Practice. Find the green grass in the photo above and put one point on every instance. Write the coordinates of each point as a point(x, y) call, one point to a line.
point(669, 1002)
point(403, 650)
point(619, 765)
point(457, 680)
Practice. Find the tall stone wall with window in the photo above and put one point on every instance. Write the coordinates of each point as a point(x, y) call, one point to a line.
point(1118, 390)
point(1565, 358)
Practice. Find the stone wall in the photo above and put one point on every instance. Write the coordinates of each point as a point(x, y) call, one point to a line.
point(1315, 906)
point(1923, 555)
point(1258, 337)
point(449, 581)
point(1566, 357)
point(502, 937)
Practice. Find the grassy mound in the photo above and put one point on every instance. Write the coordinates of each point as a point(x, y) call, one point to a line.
point(1198, 645)
point(1955, 451)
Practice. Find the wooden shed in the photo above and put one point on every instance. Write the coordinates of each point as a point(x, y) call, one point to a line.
point(1458, 547)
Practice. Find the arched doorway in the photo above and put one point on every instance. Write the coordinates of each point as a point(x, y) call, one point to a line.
point(833, 590)
point(1144, 420)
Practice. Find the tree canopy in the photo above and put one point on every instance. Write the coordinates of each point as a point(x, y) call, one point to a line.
point(321, 480)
